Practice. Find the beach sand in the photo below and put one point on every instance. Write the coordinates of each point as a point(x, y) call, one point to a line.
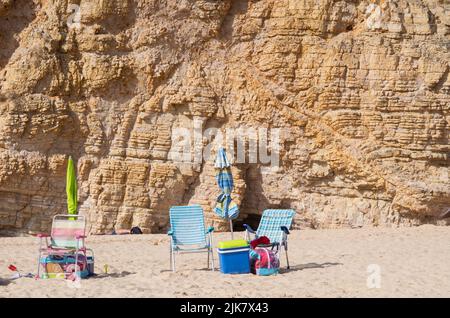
point(413, 262)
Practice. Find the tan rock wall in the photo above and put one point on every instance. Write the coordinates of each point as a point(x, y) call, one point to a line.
point(360, 89)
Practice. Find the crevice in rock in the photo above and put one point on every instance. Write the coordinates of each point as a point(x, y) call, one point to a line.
point(12, 22)
point(254, 200)
point(440, 84)
point(237, 8)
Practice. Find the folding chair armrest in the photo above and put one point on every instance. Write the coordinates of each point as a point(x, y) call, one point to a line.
point(272, 245)
point(285, 230)
point(170, 232)
point(248, 228)
point(210, 230)
point(42, 235)
point(80, 237)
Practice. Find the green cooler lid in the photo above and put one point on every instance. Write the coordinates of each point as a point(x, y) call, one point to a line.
point(232, 244)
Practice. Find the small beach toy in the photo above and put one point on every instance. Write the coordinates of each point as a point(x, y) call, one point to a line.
point(17, 273)
point(12, 268)
point(15, 276)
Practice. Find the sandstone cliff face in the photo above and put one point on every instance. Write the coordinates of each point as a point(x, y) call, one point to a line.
point(360, 88)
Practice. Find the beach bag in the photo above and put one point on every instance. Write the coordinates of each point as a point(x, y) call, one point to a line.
point(265, 261)
point(135, 230)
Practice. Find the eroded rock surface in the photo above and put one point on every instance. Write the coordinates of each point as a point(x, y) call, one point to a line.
point(360, 89)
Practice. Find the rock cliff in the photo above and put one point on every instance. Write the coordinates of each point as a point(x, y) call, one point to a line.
point(359, 89)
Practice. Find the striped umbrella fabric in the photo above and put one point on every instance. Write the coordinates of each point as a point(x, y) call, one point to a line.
point(225, 207)
point(225, 180)
point(222, 160)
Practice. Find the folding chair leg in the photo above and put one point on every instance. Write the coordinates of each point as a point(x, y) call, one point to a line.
point(85, 264)
point(39, 264)
point(211, 244)
point(170, 255)
point(207, 265)
point(212, 259)
point(286, 252)
point(76, 265)
point(173, 260)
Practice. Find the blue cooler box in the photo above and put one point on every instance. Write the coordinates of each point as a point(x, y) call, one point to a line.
point(234, 257)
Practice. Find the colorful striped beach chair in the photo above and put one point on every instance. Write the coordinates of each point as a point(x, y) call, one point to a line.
point(188, 234)
point(275, 225)
point(66, 239)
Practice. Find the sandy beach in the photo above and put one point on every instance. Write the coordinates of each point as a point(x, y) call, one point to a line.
point(413, 262)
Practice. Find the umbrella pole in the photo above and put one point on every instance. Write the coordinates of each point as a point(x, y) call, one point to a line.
point(231, 228)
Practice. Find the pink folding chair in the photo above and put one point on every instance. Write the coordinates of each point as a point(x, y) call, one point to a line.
point(66, 239)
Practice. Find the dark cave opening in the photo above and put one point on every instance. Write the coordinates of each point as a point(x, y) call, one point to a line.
point(250, 219)
point(255, 201)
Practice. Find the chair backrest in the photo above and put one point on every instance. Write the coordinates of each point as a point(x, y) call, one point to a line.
point(188, 225)
point(271, 222)
point(66, 228)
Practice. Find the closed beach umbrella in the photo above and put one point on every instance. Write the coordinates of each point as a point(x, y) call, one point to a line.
point(71, 188)
point(225, 207)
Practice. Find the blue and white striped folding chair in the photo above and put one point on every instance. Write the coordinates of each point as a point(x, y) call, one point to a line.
point(188, 234)
point(275, 225)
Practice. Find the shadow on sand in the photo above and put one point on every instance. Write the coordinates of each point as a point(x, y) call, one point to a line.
point(112, 275)
point(307, 266)
point(204, 269)
point(5, 282)
point(282, 269)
